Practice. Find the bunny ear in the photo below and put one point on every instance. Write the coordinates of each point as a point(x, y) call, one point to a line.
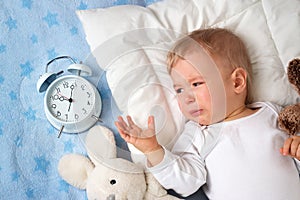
point(100, 144)
point(75, 169)
point(154, 186)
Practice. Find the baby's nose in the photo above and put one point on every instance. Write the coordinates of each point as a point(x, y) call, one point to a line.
point(190, 97)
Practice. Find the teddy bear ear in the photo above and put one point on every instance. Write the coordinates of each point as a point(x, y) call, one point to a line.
point(100, 144)
point(293, 72)
point(74, 169)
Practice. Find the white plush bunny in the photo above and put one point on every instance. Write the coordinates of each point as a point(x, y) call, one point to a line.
point(104, 176)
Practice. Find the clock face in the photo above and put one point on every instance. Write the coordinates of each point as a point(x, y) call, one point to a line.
point(70, 99)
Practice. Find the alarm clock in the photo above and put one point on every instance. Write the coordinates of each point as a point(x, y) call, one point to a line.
point(72, 104)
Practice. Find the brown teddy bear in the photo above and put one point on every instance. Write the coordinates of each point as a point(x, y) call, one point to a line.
point(289, 117)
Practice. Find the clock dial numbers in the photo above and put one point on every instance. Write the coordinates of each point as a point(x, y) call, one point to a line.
point(57, 89)
point(65, 84)
point(71, 100)
point(85, 95)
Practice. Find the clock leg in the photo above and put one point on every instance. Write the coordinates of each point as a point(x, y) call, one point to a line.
point(60, 131)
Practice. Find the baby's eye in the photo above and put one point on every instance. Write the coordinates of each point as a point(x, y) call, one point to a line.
point(196, 84)
point(179, 90)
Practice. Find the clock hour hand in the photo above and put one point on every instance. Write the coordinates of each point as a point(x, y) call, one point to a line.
point(70, 99)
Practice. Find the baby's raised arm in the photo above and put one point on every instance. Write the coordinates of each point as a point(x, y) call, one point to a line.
point(143, 140)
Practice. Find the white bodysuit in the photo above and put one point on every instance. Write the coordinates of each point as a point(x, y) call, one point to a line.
point(236, 160)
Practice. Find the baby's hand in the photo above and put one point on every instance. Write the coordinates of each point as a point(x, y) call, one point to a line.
point(291, 147)
point(144, 140)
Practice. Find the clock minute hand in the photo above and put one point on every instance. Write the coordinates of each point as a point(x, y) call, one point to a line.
point(70, 100)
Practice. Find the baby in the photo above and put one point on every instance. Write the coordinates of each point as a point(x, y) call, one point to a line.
point(228, 146)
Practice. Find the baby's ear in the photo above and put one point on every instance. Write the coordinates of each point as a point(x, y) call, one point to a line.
point(239, 80)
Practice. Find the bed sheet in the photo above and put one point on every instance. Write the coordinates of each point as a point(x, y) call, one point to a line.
point(32, 32)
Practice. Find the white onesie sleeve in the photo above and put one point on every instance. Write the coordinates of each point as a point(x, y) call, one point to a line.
point(183, 169)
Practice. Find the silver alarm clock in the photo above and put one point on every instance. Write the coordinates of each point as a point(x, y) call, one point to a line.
point(72, 104)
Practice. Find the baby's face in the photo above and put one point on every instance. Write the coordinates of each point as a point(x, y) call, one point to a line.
point(199, 94)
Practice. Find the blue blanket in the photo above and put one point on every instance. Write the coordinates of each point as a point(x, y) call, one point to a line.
point(32, 32)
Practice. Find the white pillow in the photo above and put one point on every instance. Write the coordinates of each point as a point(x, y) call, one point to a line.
point(130, 44)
